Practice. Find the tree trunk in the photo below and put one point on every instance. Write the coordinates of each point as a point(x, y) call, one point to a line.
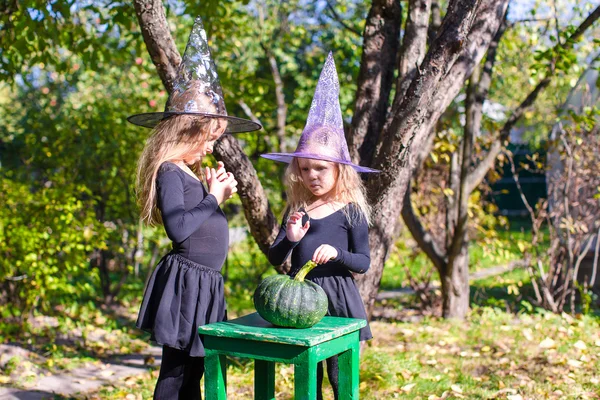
point(380, 45)
point(386, 189)
point(262, 222)
point(455, 285)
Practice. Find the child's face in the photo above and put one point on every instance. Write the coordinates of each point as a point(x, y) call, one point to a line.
point(318, 176)
point(205, 147)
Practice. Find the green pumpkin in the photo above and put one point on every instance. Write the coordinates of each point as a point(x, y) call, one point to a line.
point(293, 303)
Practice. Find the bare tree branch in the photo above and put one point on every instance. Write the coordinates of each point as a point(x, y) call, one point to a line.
point(474, 106)
point(279, 95)
point(481, 170)
point(525, 20)
point(339, 19)
point(423, 237)
point(414, 44)
point(157, 36)
point(380, 45)
point(408, 115)
point(436, 21)
point(248, 111)
point(490, 15)
point(387, 189)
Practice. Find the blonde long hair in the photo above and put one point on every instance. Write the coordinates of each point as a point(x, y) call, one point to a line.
point(349, 188)
point(171, 140)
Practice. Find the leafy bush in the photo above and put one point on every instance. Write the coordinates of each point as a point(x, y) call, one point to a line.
point(46, 236)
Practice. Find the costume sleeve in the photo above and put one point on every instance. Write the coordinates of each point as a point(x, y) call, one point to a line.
point(179, 223)
point(358, 259)
point(282, 247)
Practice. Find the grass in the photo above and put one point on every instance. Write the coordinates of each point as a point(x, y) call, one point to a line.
point(494, 354)
point(506, 349)
point(482, 255)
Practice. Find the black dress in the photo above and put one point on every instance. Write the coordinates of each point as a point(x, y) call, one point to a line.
point(186, 287)
point(352, 244)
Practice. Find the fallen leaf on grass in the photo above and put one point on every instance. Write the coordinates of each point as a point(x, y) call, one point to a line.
point(456, 389)
point(547, 343)
point(130, 381)
point(580, 345)
point(528, 334)
point(506, 390)
point(442, 397)
point(574, 363)
point(406, 374)
point(407, 388)
point(584, 359)
point(514, 397)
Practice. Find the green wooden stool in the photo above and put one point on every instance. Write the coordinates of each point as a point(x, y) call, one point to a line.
point(253, 337)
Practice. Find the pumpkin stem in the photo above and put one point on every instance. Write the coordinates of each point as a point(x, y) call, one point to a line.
point(305, 270)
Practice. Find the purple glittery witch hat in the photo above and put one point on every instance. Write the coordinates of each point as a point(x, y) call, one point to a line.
point(323, 136)
point(197, 90)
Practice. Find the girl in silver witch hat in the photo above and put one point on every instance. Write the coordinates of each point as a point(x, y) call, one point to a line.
point(328, 215)
point(186, 287)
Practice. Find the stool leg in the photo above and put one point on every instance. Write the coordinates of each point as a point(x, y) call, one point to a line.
point(215, 376)
point(264, 380)
point(305, 379)
point(348, 373)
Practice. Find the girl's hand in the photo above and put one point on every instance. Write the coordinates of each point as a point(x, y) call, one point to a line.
point(221, 173)
point(294, 230)
point(324, 253)
point(221, 186)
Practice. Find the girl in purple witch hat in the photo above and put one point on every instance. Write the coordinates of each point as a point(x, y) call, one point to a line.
point(186, 287)
point(327, 216)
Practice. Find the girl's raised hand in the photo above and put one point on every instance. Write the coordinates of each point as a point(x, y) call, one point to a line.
point(220, 175)
point(222, 186)
point(294, 230)
point(324, 253)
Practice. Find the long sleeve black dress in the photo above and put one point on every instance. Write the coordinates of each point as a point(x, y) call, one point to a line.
point(352, 244)
point(186, 288)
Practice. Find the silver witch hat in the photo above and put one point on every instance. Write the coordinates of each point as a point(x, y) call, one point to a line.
point(197, 90)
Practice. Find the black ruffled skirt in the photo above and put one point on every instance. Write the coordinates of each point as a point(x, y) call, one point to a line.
point(344, 298)
point(181, 296)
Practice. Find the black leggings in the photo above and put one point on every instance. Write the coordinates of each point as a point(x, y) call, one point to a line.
point(179, 376)
point(332, 372)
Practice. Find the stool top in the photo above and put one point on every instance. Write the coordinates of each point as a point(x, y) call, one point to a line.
point(253, 327)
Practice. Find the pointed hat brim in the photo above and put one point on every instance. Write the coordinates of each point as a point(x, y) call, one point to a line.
point(234, 124)
point(289, 157)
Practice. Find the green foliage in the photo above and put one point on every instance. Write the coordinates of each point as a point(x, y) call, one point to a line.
point(526, 54)
point(46, 234)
